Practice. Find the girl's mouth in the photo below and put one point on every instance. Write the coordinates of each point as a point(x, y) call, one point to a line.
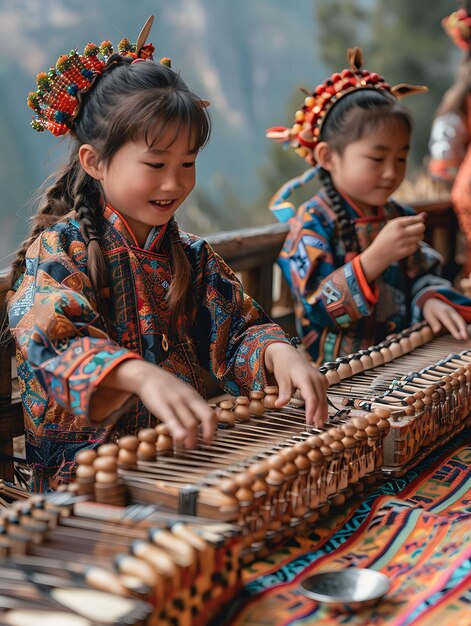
point(162, 205)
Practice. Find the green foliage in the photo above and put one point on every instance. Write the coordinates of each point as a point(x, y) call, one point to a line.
point(341, 24)
point(401, 39)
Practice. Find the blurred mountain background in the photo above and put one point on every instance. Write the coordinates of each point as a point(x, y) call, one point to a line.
point(248, 57)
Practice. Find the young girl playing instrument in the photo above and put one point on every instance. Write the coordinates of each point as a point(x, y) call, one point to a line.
point(114, 310)
point(354, 258)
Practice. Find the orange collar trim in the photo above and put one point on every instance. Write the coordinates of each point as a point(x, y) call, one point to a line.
point(119, 222)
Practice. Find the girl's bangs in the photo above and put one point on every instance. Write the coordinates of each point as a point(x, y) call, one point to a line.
point(176, 110)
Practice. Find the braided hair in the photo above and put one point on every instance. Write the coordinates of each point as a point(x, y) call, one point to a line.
point(130, 101)
point(351, 118)
point(345, 226)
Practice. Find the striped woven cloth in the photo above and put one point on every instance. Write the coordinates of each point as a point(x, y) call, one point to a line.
point(416, 530)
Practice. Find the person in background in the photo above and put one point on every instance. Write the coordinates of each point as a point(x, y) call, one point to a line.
point(450, 157)
point(354, 258)
point(114, 310)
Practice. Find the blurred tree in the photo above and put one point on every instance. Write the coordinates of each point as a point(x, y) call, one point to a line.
point(401, 39)
point(341, 25)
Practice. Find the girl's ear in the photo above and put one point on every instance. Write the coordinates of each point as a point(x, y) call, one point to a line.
point(323, 154)
point(89, 161)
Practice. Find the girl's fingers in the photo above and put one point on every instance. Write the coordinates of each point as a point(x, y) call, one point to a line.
point(435, 324)
point(451, 328)
point(444, 315)
point(406, 220)
point(167, 415)
point(313, 392)
point(454, 323)
point(186, 417)
point(321, 386)
point(316, 407)
point(308, 392)
point(414, 230)
point(208, 419)
point(462, 326)
point(285, 388)
point(193, 410)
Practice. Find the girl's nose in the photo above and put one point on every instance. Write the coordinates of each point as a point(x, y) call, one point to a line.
point(171, 181)
point(391, 170)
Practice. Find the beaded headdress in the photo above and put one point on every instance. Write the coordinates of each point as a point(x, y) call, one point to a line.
point(304, 135)
point(458, 27)
point(58, 97)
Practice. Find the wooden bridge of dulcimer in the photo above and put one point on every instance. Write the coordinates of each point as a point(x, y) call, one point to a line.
point(157, 534)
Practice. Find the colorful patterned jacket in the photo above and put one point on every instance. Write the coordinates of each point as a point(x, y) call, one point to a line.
point(63, 351)
point(337, 311)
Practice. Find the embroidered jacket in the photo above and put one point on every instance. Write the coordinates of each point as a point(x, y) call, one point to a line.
point(63, 351)
point(337, 311)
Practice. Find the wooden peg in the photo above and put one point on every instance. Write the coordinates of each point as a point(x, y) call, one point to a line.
point(271, 396)
point(108, 449)
point(256, 403)
point(164, 441)
point(227, 416)
point(344, 370)
point(127, 450)
point(241, 408)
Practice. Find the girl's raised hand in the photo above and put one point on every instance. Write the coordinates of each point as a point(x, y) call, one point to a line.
point(399, 238)
point(291, 372)
point(171, 400)
point(438, 313)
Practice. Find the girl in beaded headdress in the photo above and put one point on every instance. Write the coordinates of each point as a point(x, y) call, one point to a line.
point(115, 311)
point(355, 260)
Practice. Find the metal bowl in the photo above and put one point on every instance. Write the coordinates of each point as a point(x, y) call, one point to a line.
point(348, 589)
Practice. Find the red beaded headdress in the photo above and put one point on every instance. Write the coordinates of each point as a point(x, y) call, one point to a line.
point(458, 27)
point(57, 99)
point(303, 136)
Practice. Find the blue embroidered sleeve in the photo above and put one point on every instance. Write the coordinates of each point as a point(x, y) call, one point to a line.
point(329, 296)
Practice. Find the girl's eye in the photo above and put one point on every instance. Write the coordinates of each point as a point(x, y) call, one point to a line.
point(155, 165)
point(377, 159)
point(189, 164)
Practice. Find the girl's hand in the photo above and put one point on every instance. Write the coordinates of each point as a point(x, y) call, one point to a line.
point(438, 313)
point(399, 238)
point(291, 372)
point(171, 400)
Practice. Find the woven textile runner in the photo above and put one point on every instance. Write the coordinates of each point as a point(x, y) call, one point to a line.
point(416, 530)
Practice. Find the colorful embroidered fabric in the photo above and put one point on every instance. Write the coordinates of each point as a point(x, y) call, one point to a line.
point(420, 537)
point(64, 352)
point(337, 311)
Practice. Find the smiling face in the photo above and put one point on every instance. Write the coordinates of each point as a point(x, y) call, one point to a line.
point(146, 184)
point(370, 169)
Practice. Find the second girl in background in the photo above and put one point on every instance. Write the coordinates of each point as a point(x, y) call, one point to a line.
point(355, 260)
